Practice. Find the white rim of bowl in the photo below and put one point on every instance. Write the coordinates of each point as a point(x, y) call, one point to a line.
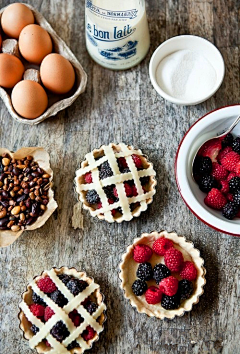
point(181, 178)
point(176, 100)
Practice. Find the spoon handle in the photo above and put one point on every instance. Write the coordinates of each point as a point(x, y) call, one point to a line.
point(232, 126)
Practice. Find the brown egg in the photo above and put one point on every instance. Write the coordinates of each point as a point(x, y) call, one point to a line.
point(57, 73)
point(11, 70)
point(15, 18)
point(34, 43)
point(29, 99)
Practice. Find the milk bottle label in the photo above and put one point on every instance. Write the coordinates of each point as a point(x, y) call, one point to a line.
point(116, 39)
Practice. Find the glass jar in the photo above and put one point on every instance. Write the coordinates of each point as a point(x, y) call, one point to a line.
point(117, 34)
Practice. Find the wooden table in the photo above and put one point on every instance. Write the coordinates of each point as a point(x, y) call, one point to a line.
point(123, 106)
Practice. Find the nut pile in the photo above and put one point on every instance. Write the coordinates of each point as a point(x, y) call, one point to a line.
point(23, 192)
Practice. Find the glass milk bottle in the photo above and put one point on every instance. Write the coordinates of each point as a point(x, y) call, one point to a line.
point(117, 35)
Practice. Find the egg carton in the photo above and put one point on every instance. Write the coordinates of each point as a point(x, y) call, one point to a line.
point(56, 103)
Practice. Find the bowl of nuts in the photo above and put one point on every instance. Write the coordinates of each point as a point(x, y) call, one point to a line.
point(26, 196)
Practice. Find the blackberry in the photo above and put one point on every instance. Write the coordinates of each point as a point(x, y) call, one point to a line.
point(60, 331)
point(131, 182)
point(64, 278)
point(202, 165)
point(236, 198)
point(185, 289)
point(236, 145)
point(160, 271)
point(92, 197)
point(58, 298)
point(1, 166)
point(234, 184)
point(139, 287)
point(230, 210)
point(227, 141)
point(73, 345)
point(206, 183)
point(144, 180)
point(34, 329)
point(133, 206)
point(126, 170)
point(91, 307)
point(145, 271)
point(76, 286)
point(37, 299)
point(105, 170)
point(170, 302)
point(109, 192)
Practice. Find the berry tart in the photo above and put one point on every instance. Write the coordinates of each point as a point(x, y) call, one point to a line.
point(116, 182)
point(216, 170)
point(62, 312)
point(26, 197)
point(162, 275)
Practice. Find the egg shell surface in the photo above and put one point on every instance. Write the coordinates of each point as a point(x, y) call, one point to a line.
point(11, 70)
point(29, 99)
point(15, 18)
point(57, 74)
point(34, 43)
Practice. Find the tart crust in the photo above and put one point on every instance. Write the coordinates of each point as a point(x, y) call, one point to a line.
point(7, 237)
point(25, 324)
point(128, 269)
point(118, 149)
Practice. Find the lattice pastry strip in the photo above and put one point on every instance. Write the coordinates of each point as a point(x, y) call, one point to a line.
point(118, 179)
point(61, 314)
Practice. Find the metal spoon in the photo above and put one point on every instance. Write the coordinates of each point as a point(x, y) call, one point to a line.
point(232, 126)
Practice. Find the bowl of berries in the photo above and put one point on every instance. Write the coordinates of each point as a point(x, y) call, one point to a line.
point(211, 189)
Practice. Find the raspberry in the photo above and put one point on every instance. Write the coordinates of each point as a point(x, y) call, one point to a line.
point(230, 160)
point(189, 271)
point(153, 295)
point(237, 169)
point(88, 177)
point(230, 210)
point(145, 271)
point(76, 318)
point(48, 313)
point(236, 145)
point(215, 199)
point(137, 160)
point(139, 287)
point(142, 253)
point(231, 175)
point(185, 289)
point(46, 285)
point(115, 193)
point(234, 184)
point(224, 187)
point(59, 331)
point(219, 172)
point(228, 140)
point(134, 191)
point(122, 163)
point(160, 271)
point(37, 310)
point(170, 302)
point(206, 183)
point(92, 197)
point(88, 334)
point(99, 205)
point(229, 197)
point(128, 189)
point(211, 149)
point(223, 153)
point(173, 259)
point(161, 245)
point(47, 344)
point(169, 286)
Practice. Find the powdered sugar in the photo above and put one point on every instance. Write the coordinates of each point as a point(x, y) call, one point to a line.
point(186, 75)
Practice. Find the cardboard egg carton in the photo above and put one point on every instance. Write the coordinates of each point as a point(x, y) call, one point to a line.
point(56, 103)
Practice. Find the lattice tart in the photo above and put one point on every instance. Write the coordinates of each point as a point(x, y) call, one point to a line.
point(62, 312)
point(116, 182)
point(162, 274)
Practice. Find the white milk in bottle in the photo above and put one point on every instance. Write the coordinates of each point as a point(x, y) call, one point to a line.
point(117, 34)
